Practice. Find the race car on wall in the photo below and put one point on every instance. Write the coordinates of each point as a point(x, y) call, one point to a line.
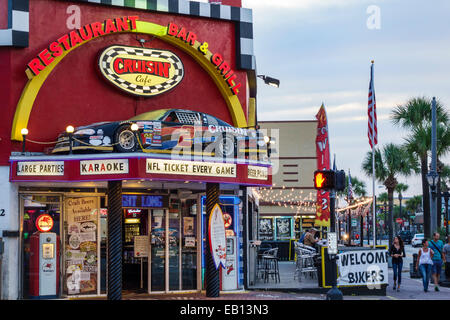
point(168, 131)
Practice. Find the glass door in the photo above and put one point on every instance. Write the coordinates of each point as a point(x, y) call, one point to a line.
point(178, 226)
point(174, 250)
point(158, 250)
point(189, 245)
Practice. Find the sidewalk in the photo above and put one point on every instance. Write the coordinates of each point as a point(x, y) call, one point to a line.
point(287, 281)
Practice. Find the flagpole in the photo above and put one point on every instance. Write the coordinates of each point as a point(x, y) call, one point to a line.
point(373, 175)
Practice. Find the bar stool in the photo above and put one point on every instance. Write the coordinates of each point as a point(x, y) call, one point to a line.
point(270, 261)
point(263, 249)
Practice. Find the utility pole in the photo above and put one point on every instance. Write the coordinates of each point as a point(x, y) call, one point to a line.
point(432, 176)
point(334, 293)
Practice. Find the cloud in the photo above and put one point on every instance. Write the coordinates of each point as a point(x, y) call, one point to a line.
point(342, 106)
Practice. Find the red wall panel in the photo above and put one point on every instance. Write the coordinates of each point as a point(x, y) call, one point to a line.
point(76, 93)
point(3, 14)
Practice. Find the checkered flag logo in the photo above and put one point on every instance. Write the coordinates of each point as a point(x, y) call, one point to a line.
point(108, 57)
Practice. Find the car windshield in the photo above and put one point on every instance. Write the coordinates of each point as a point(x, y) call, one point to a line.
point(151, 115)
point(420, 235)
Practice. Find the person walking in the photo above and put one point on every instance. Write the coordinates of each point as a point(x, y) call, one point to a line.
point(446, 257)
point(397, 252)
point(437, 246)
point(425, 263)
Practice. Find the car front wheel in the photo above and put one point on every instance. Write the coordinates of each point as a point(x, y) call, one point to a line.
point(125, 140)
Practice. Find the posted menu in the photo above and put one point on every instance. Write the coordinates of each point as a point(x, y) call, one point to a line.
point(81, 246)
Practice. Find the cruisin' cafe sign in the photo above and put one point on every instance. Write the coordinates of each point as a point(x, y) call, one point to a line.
point(141, 71)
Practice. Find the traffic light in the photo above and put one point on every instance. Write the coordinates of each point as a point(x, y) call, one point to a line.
point(329, 179)
point(324, 180)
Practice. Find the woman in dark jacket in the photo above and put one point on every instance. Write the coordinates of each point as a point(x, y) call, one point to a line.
point(397, 252)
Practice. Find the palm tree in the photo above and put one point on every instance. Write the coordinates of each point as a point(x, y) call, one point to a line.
point(415, 115)
point(414, 205)
point(391, 162)
point(383, 198)
point(358, 187)
point(400, 188)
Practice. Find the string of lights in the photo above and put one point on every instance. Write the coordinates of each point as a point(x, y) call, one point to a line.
point(286, 197)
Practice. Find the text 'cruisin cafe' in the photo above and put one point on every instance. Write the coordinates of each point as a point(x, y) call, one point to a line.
point(128, 146)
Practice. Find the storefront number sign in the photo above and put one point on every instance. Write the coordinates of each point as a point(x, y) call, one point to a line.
point(217, 239)
point(141, 71)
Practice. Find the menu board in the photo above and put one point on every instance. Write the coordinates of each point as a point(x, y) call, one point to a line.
point(141, 244)
point(81, 245)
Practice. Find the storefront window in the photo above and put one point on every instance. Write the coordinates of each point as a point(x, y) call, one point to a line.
point(40, 212)
point(81, 246)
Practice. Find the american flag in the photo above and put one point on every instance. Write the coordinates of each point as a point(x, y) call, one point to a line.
point(372, 112)
point(350, 187)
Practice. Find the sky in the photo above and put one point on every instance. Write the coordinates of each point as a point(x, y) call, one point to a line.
point(321, 51)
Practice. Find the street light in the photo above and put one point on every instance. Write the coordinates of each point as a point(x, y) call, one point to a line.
point(134, 127)
point(70, 130)
point(270, 81)
point(24, 133)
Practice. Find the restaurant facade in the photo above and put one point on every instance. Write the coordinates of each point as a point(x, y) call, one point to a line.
point(140, 121)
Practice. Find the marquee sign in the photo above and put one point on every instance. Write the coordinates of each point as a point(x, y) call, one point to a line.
point(138, 167)
point(192, 168)
point(40, 168)
point(101, 167)
point(141, 71)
